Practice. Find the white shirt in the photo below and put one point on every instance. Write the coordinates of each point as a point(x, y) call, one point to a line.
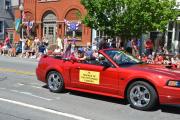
point(59, 43)
point(57, 50)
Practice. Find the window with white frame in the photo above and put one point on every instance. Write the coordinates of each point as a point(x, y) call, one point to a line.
point(101, 34)
point(7, 4)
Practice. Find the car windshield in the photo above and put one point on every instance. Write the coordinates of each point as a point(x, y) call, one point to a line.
point(122, 58)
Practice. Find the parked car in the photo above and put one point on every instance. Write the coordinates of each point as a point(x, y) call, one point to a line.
point(113, 73)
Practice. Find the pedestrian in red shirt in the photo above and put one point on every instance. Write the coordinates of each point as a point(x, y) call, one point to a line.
point(6, 45)
point(1, 46)
point(149, 47)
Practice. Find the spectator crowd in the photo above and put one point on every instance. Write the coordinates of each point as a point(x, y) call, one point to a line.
point(28, 48)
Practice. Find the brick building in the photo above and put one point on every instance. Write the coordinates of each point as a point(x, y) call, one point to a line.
point(7, 18)
point(54, 18)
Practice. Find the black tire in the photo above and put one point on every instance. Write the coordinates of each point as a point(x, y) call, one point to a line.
point(56, 83)
point(147, 101)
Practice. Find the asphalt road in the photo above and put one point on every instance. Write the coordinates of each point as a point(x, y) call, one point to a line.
point(22, 97)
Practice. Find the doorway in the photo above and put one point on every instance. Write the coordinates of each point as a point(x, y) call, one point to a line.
point(49, 27)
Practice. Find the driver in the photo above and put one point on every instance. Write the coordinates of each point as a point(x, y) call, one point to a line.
point(81, 56)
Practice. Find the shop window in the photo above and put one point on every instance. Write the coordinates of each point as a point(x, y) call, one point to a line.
point(169, 43)
point(1, 26)
point(7, 4)
point(170, 27)
point(74, 32)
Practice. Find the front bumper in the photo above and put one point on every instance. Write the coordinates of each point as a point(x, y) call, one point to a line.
point(40, 75)
point(169, 95)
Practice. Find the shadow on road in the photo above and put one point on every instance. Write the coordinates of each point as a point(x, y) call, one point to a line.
point(163, 108)
point(170, 109)
point(45, 86)
point(174, 109)
point(99, 97)
point(64, 91)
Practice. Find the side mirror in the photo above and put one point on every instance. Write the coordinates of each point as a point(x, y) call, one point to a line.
point(101, 58)
point(105, 64)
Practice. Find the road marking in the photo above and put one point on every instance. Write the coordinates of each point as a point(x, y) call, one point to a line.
point(20, 84)
point(30, 94)
point(17, 71)
point(44, 109)
point(36, 87)
point(31, 85)
point(34, 83)
point(2, 88)
point(14, 91)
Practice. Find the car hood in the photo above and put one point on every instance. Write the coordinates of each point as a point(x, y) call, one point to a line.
point(157, 69)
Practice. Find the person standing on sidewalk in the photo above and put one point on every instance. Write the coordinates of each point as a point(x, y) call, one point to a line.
point(60, 43)
point(7, 45)
point(149, 47)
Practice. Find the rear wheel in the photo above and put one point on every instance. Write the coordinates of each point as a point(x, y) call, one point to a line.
point(55, 82)
point(142, 96)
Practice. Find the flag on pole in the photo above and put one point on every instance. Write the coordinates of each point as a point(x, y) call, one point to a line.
point(17, 24)
point(23, 16)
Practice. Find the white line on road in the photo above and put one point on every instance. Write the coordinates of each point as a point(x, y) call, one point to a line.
point(44, 109)
point(32, 85)
point(36, 87)
point(2, 88)
point(20, 84)
point(14, 91)
point(30, 94)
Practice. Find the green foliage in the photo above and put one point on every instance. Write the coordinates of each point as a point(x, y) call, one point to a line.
point(128, 17)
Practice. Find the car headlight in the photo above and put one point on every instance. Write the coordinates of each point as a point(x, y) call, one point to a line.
point(173, 83)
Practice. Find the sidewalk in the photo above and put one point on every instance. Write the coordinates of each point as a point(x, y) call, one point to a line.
point(17, 59)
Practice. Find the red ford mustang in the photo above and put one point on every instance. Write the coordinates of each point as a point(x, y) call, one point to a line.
point(113, 73)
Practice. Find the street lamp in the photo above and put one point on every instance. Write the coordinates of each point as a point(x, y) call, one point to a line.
point(21, 8)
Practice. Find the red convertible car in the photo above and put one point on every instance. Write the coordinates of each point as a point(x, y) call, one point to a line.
point(113, 73)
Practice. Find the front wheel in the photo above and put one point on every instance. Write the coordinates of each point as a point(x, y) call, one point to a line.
point(142, 96)
point(55, 82)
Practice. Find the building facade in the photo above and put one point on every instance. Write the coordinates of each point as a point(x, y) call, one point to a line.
point(172, 36)
point(7, 18)
point(53, 18)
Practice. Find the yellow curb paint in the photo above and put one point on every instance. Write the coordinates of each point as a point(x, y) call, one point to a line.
point(16, 71)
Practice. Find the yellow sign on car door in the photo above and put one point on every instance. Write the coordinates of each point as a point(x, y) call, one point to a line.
point(89, 77)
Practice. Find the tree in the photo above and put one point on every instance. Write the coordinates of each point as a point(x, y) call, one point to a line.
point(128, 18)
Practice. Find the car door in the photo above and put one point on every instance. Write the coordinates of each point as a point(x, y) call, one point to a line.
point(95, 77)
